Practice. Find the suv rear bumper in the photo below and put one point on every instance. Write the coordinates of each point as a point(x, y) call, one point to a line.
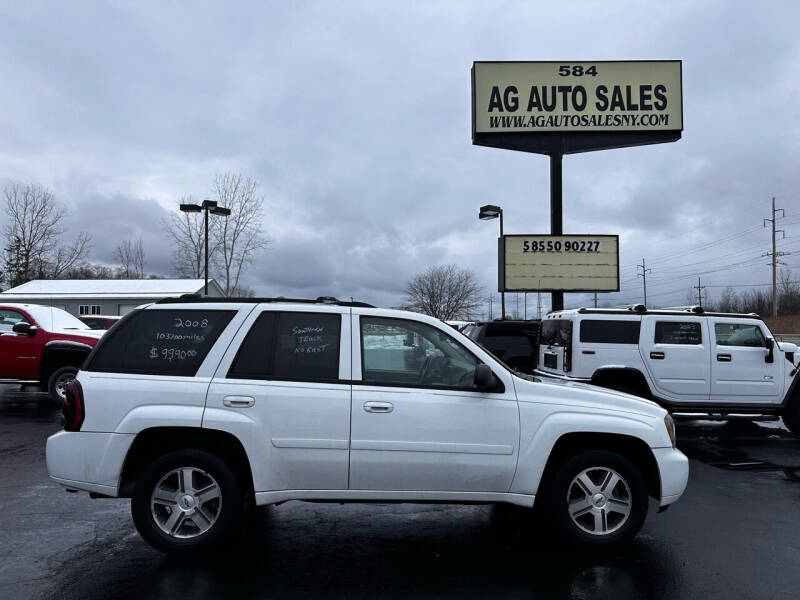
point(88, 461)
point(673, 468)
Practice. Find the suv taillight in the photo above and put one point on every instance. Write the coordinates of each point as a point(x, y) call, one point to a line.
point(72, 408)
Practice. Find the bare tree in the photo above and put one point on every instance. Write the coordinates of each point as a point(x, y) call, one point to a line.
point(130, 254)
point(33, 234)
point(788, 293)
point(446, 292)
point(240, 236)
point(186, 231)
point(242, 291)
point(728, 301)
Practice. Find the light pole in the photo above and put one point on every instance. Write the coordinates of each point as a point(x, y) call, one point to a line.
point(208, 206)
point(487, 213)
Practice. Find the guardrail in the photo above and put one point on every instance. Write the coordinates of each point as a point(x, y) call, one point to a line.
point(794, 338)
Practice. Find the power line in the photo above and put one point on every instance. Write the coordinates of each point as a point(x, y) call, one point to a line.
point(792, 219)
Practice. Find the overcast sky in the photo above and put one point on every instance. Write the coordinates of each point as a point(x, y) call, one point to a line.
point(355, 119)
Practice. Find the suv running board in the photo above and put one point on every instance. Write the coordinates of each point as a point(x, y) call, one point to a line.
point(726, 417)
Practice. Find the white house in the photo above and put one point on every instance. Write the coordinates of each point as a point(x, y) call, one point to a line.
point(104, 296)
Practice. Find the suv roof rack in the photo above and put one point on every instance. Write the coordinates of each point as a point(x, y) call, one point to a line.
point(188, 298)
point(675, 310)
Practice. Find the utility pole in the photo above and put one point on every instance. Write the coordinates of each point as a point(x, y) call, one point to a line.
point(539, 300)
point(595, 299)
point(490, 307)
point(775, 254)
point(525, 295)
point(699, 289)
point(643, 275)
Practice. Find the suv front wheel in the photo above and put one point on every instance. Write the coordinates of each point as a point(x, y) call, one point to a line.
point(791, 414)
point(597, 498)
point(186, 500)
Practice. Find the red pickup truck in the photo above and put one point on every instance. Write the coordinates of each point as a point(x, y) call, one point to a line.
point(42, 345)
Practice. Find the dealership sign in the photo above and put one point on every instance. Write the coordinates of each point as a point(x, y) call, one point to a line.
point(565, 263)
point(576, 97)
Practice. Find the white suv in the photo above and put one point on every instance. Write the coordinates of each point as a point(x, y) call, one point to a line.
point(687, 360)
point(196, 409)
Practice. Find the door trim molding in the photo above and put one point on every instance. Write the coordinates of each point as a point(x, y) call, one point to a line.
point(408, 446)
point(277, 496)
point(316, 444)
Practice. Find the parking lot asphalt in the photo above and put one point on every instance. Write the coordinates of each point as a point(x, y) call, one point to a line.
point(734, 534)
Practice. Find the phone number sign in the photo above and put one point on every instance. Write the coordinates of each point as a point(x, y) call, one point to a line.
point(554, 263)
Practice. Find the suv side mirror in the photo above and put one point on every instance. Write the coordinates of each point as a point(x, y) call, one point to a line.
point(24, 328)
point(484, 378)
point(770, 357)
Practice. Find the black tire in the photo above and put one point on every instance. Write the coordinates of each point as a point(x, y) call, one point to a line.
point(563, 485)
point(791, 414)
point(57, 382)
point(227, 513)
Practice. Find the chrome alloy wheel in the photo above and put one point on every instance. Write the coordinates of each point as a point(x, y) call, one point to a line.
point(599, 500)
point(61, 384)
point(186, 502)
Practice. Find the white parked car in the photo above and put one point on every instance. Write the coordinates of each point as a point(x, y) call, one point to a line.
point(687, 360)
point(197, 408)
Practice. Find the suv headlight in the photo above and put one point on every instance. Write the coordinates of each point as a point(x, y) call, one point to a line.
point(669, 422)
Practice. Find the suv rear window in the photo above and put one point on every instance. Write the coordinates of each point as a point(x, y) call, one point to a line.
point(556, 332)
point(513, 343)
point(602, 331)
point(160, 342)
point(290, 346)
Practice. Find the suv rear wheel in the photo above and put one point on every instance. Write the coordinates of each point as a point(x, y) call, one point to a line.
point(597, 498)
point(58, 382)
point(186, 500)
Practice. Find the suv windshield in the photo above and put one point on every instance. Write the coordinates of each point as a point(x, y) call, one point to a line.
point(556, 332)
point(50, 318)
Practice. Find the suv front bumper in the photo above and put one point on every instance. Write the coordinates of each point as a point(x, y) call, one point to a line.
point(88, 461)
point(673, 469)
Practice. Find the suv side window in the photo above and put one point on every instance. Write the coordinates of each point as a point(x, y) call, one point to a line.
point(678, 332)
point(410, 353)
point(290, 346)
point(254, 358)
point(9, 318)
point(160, 342)
point(739, 334)
point(605, 331)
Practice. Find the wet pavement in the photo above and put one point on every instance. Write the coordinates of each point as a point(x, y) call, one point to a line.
point(734, 534)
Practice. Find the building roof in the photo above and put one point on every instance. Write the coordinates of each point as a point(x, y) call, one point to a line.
point(107, 288)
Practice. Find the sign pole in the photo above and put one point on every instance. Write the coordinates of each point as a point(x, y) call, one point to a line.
point(556, 221)
point(502, 293)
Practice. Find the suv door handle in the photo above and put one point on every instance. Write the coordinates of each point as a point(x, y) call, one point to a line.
point(239, 401)
point(378, 407)
point(657, 355)
point(724, 357)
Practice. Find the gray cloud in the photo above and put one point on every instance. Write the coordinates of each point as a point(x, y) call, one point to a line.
point(355, 119)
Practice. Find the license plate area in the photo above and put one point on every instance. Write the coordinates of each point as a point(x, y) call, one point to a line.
point(550, 360)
